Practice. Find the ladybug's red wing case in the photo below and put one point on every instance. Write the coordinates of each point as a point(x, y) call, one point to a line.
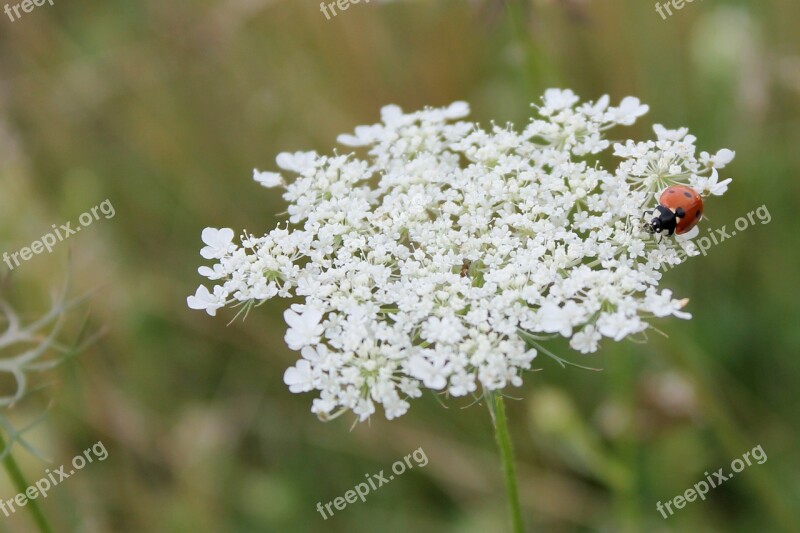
point(687, 199)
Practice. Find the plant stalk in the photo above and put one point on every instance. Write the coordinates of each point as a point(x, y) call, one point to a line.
point(498, 411)
point(18, 480)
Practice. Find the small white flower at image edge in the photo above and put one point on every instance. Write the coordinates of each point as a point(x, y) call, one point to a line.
point(204, 300)
point(267, 179)
point(719, 160)
point(628, 111)
point(299, 378)
point(218, 242)
point(665, 134)
point(558, 99)
point(304, 329)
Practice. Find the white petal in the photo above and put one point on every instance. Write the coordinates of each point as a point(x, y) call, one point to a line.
point(457, 110)
point(267, 179)
point(723, 157)
point(299, 378)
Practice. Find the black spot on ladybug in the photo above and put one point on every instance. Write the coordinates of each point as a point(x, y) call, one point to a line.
point(697, 215)
point(687, 194)
point(671, 191)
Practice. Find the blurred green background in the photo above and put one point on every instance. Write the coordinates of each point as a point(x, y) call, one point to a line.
point(164, 108)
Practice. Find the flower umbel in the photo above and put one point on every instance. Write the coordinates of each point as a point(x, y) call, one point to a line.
point(444, 253)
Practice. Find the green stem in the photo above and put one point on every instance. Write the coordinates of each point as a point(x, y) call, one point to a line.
point(18, 479)
point(498, 412)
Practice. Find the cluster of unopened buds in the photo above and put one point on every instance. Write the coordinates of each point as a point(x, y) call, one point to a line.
point(441, 254)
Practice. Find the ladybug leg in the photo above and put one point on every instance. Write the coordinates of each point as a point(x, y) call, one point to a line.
point(646, 216)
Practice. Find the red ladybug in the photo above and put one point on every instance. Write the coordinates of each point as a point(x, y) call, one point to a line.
point(679, 209)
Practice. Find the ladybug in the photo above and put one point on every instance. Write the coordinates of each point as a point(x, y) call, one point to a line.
point(679, 209)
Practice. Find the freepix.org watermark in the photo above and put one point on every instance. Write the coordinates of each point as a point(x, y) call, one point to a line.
point(59, 233)
point(665, 10)
point(375, 481)
point(328, 8)
point(716, 236)
point(53, 478)
point(26, 6)
point(713, 480)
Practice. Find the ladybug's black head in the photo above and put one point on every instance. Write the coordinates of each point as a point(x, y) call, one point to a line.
point(663, 222)
point(654, 226)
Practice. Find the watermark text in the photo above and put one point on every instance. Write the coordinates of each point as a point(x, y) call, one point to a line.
point(713, 480)
point(374, 482)
point(59, 233)
point(52, 478)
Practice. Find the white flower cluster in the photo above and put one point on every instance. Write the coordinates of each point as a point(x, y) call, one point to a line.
point(444, 254)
